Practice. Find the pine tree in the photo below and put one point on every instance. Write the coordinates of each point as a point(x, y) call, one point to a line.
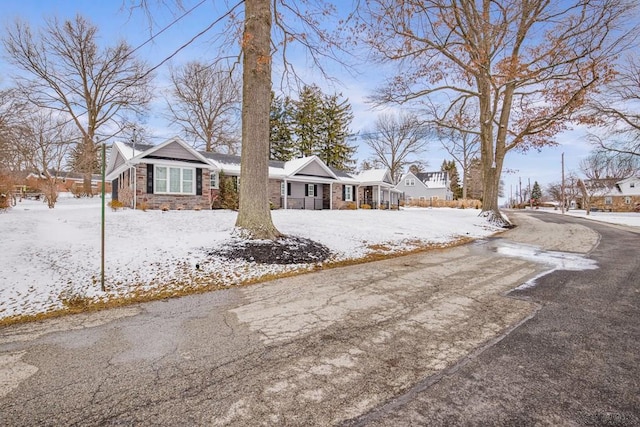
point(281, 144)
point(454, 179)
point(333, 147)
point(308, 120)
point(536, 193)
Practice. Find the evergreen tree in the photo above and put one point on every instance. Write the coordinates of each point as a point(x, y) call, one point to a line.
point(281, 144)
point(333, 148)
point(536, 193)
point(308, 121)
point(454, 179)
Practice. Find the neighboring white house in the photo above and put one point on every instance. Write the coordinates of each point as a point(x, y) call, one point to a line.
point(425, 186)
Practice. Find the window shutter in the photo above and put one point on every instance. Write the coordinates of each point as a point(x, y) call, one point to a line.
point(198, 181)
point(306, 190)
point(149, 178)
point(288, 188)
point(315, 190)
point(344, 193)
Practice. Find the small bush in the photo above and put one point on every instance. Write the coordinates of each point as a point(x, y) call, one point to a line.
point(351, 206)
point(164, 207)
point(143, 205)
point(365, 206)
point(116, 204)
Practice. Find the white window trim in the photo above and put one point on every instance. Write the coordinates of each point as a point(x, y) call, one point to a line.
point(311, 190)
point(283, 188)
point(608, 200)
point(348, 193)
point(182, 169)
point(214, 178)
point(410, 182)
point(627, 200)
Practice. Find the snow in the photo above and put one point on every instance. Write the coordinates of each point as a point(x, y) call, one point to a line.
point(554, 259)
point(54, 255)
point(620, 218)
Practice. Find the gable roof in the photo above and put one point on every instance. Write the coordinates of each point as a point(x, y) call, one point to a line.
point(434, 179)
point(124, 155)
point(375, 176)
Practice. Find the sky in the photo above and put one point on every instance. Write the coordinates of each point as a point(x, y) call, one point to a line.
point(115, 23)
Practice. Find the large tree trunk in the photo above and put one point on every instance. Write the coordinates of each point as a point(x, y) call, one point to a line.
point(491, 154)
point(254, 216)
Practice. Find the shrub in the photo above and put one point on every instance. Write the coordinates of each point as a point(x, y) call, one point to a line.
point(351, 206)
point(142, 205)
point(164, 207)
point(116, 204)
point(365, 206)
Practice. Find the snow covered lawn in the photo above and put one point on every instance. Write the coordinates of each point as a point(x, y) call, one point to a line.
point(52, 256)
point(622, 218)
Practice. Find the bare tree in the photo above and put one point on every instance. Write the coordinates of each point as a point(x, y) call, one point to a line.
point(45, 143)
point(396, 140)
point(205, 104)
point(571, 190)
point(11, 120)
point(525, 65)
point(615, 109)
point(65, 70)
point(609, 165)
point(462, 146)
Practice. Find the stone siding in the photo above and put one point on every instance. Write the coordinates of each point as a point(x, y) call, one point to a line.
point(617, 204)
point(275, 195)
point(171, 201)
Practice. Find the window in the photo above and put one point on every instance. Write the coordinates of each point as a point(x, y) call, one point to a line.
point(627, 200)
point(348, 193)
point(215, 180)
point(608, 200)
point(632, 185)
point(174, 180)
point(311, 190)
point(409, 182)
point(282, 189)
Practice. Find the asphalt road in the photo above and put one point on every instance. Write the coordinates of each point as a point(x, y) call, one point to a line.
point(438, 338)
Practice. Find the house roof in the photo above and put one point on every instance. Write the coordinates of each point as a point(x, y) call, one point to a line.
point(126, 155)
point(432, 179)
point(374, 175)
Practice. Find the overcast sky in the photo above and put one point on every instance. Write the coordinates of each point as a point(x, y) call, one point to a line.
point(116, 23)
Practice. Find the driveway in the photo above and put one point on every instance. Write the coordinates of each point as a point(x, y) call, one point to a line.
point(357, 345)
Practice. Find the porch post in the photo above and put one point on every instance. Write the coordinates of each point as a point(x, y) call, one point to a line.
point(286, 193)
point(379, 198)
point(135, 190)
point(331, 196)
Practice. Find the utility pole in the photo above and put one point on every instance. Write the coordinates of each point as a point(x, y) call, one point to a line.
point(562, 186)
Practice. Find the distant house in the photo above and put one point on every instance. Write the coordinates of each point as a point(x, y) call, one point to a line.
point(425, 186)
point(66, 181)
point(377, 189)
point(614, 196)
point(173, 175)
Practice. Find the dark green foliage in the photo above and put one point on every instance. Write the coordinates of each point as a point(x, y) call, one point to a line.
point(454, 178)
point(333, 148)
point(536, 193)
point(315, 124)
point(228, 192)
point(281, 144)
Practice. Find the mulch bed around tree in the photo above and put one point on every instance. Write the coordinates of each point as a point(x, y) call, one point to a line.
point(286, 250)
